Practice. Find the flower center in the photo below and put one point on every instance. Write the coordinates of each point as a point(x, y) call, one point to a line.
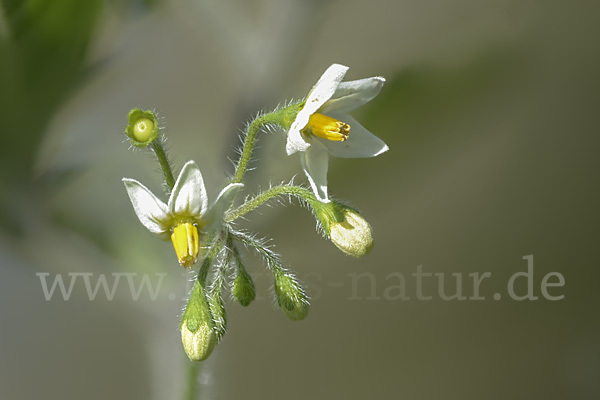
point(186, 243)
point(142, 130)
point(328, 128)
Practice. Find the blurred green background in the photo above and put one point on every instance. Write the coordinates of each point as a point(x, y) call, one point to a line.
point(491, 113)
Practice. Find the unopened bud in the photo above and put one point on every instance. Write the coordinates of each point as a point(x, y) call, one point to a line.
point(290, 295)
point(350, 232)
point(353, 235)
point(197, 326)
point(219, 315)
point(243, 289)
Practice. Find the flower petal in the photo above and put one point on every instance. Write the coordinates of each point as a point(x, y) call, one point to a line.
point(319, 94)
point(353, 94)
point(150, 210)
point(222, 202)
point(361, 143)
point(189, 194)
point(324, 89)
point(315, 163)
point(295, 141)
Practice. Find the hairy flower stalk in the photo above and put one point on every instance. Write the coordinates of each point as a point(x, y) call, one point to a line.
point(289, 293)
point(280, 117)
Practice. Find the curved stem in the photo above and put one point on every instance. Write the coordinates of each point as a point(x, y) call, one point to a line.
point(161, 156)
point(282, 117)
point(253, 130)
point(297, 191)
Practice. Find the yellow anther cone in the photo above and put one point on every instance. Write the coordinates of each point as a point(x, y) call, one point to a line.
point(186, 243)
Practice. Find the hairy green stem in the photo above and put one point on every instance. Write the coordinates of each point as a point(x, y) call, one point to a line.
point(210, 257)
point(161, 156)
point(283, 117)
point(253, 130)
point(262, 198)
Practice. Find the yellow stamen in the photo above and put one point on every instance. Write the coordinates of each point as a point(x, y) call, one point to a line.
point(328, 128)
point(186, 243)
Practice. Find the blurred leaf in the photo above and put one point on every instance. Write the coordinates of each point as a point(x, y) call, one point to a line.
point(42, 55)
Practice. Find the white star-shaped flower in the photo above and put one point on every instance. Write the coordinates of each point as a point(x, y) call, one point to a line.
point(324, 126)
point(185, 212)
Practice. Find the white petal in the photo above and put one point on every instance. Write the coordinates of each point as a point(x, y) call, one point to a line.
point(189, 194)
point(315, 163)
point(361, 143)
point(150, 210)
point(295, 141)
point(351, 95)
point(319, 94)
point(222, 202)
point(324, 88)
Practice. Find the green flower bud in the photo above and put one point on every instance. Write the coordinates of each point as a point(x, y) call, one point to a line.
point(142, 128)
point(197, 326)
point(350, 232)
point(290, 295)
point(217, 309)
point(243, 289)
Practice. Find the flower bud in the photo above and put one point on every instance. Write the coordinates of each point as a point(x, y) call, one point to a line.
point(290, 296)
point(344, 226)
point(243, 289)
point(219, 315)
point(353, 235)
point(142, 128)
point(197, 326)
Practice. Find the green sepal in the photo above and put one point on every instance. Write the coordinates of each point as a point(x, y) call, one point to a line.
point(198, 334)
point(287, 115)
point(328, 213)
point(197, 311)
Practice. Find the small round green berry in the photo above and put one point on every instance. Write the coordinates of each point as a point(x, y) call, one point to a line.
point(142, 127)
point(142, 130)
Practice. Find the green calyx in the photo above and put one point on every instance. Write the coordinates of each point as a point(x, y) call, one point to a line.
point(329, 213)
point(142, 128)
point(345, 227)
point(286, 116)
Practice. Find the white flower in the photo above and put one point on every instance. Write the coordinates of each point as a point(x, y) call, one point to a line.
point(324, 126)
point(186, 211)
